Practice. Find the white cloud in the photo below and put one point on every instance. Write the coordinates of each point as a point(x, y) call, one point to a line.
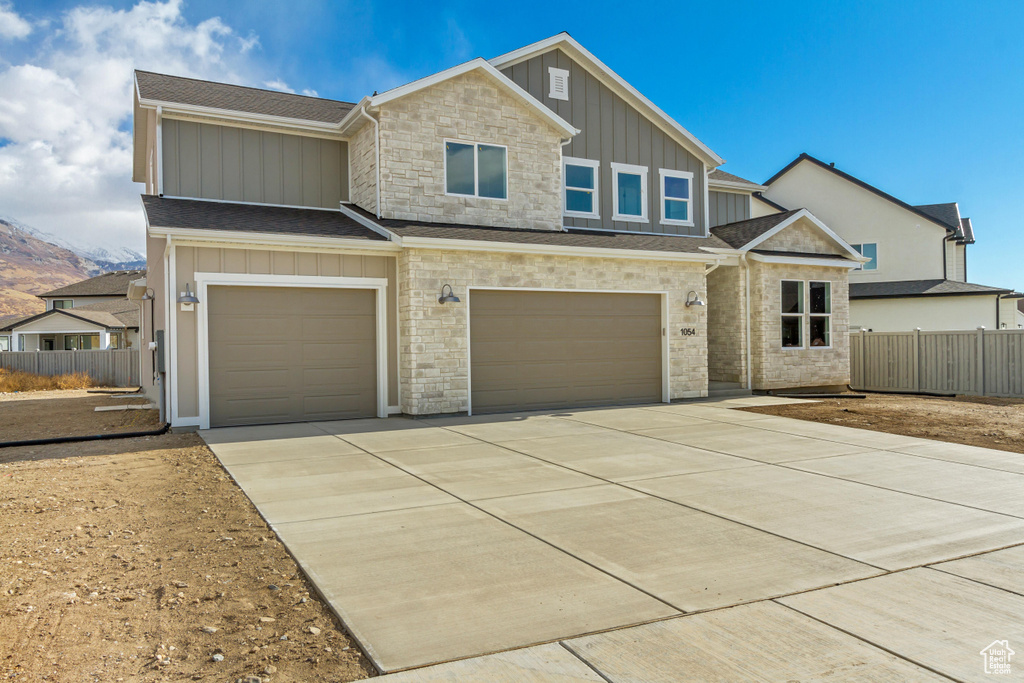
point(278, 85)
point(12, 25)
point(65, 113)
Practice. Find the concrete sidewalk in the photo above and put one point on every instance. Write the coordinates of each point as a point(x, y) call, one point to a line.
point(450, 538)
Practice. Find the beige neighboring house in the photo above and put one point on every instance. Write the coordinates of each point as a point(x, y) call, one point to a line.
point(86, 315)
point(526, 232)
point(916, 275)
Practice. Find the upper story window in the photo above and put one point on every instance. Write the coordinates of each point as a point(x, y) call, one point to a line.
point(474, 169)
point(676, 193)
point(558, 83)
point(629, 201)
point(580, 187)
point(62, 303)
point(871, 251)
point(815, 312)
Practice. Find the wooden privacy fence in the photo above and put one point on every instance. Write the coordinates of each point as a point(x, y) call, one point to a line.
point(976, 362)
point(112, 367)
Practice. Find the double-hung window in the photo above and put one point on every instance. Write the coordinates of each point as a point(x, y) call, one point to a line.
point(629, 201)
point(474, 169)
point(580, 187)
point(676, 193)
point(813, 314)
point(871, 251)
point(792, 314)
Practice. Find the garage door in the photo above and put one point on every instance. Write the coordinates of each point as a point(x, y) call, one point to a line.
point(536, 350)
point(285, 354)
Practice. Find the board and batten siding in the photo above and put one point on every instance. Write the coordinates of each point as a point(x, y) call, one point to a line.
point(207, 161)
point(727, 207)
point(612, 130)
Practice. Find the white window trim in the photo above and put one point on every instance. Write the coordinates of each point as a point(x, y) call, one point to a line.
point(630, 169)
point(596, 165)
point(476, 169)
point(805, 317)
point(53, 304)
point(863, 266)
point(669, 173)
point(554, 73)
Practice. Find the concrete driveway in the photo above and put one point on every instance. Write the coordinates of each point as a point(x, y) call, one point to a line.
point(802, 548)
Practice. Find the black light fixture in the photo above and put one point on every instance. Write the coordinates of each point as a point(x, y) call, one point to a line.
point(693, 300)
point(188, 297)
point(448, 298)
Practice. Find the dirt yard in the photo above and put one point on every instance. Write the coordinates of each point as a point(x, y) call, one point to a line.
point(46, 414)
point(140, 560)
point(976, 421)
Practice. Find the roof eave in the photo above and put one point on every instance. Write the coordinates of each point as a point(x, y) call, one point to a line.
point(730, 185)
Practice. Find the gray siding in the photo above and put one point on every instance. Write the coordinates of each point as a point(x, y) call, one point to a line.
point(727, 207)
point(612, 130)
point(220, 162)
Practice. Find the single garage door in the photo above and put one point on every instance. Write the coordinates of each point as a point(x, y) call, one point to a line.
point(538, 350)
point(287, 354)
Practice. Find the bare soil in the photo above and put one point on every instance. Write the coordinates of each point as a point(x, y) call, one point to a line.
point(48, 414)
point(141, 560)
point(976, 421)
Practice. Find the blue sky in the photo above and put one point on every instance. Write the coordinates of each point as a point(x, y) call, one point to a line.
point(924, 99)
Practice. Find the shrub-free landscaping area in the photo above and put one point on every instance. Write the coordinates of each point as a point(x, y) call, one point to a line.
point(51, 414)
point(17, 380)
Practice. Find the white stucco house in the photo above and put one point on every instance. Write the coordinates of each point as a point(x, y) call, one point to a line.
point(917, 275)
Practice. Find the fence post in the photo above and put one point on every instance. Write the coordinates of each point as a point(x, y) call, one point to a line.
point(917, 360)
point(863, 361)
point(979, 382)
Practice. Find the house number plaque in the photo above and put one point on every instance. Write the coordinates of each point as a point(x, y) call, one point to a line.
point(689, 331)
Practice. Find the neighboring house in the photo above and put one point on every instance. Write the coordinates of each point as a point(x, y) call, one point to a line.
point(112, 286)
point(521, 233)
point(1020, 312)
point(917, 273)
point(112, 324)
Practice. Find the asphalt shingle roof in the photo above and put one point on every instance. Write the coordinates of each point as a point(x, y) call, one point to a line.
point(114, 283)
point(729, 177)
point(195, 92)
point(124, 310)
point(201, 215)
point(948, 214)
point(742, 233)
point(915, 288)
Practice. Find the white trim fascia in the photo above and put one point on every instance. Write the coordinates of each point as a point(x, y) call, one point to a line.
point(743, 188)
point(159, 151)
point(706, 194)
point(232, 201)
point(566, 228)
point(482, 64)
point(353, 115)
point(803, 261)
point(247, 117)
point(203, 280)
point(563, 40)
point(804, 213)
point(555, 250)
point(271, 240)
point(367, 223)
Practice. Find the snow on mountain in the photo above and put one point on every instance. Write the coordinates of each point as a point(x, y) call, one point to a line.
point(116, 258)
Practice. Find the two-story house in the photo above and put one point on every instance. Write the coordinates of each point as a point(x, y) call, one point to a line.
point(917, 273)
point(528, 232)
point(87, 315)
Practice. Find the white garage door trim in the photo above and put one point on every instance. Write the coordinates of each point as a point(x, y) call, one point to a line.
point(664, 330)
point(205, 280)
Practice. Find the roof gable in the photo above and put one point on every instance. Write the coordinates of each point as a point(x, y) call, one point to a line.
point(588, 61)
point(758, 232)
point(94, 318)
point(114, 283)
point(860, 183)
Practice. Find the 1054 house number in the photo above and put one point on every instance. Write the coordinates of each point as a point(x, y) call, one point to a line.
point(689, 331)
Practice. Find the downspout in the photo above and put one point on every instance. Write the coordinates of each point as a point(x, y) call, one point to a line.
point(376, 149)
point(749, 344)
point(159, 152)
point(165, 399)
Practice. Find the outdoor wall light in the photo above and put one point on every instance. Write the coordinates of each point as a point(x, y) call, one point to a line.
point(693, 300)
point(188, 297)
point(149, 295)
point(448, 298)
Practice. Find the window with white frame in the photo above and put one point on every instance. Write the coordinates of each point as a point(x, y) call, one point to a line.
point(5, 343)
point(580, 187)
point(474, 169)
point(792, 314)
point(806, 308)
point(629, 198)
point(871, 251)
point(62, 303)
point(676, 193)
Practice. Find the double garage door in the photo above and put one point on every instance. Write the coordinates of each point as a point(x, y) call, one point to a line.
point(288, 354)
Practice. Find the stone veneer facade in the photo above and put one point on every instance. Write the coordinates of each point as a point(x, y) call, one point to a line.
point(774, 367)
point(727, 329)
point(469, 108)
point(434, 338)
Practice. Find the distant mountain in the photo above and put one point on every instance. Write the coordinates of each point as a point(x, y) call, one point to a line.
point(119, 258)
point(30, 266)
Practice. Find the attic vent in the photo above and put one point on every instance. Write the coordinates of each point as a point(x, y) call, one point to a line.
point(559, 83)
